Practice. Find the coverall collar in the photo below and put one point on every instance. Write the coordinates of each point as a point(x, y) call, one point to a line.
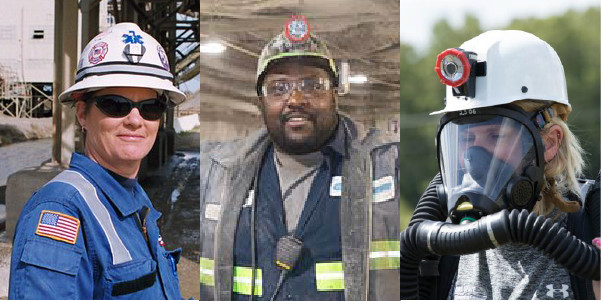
point(115, 193)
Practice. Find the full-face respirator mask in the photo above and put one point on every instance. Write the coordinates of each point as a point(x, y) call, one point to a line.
point(490, 159)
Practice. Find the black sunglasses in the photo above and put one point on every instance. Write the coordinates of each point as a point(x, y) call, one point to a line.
point(119, 106)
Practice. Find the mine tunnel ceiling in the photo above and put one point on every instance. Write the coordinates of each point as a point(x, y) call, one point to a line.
point(363, 32)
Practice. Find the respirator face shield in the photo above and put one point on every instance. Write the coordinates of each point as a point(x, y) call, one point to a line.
point(488, 162)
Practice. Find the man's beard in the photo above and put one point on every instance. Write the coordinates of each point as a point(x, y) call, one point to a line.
point(322, 131)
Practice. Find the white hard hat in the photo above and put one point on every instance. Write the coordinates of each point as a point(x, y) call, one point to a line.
point(519, 66)
point(123, 56)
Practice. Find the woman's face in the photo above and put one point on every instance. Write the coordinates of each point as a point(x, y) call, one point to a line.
point(118, 142)
point(501, 140)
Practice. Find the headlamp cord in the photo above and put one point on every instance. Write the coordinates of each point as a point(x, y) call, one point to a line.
point(253, 237)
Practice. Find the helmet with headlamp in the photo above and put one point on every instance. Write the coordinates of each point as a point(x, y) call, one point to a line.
point(295, 44)
point(490, 151)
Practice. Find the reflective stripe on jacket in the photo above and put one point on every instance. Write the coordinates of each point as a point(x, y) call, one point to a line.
point(369, 213)
point(108, 257)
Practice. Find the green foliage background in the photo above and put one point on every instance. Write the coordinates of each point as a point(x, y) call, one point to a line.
point(576, 38)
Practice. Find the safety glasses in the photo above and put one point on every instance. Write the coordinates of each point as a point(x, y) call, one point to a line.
point(310, 87)
point(119, 106)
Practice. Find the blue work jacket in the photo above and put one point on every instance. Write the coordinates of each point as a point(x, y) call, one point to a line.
point(81, 237)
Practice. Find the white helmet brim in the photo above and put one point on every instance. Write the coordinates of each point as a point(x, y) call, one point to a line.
point(123, 80)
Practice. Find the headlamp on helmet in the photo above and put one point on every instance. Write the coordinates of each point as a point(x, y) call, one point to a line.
point(459, 68)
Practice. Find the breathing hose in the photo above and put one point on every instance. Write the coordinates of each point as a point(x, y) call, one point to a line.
point(425, 237)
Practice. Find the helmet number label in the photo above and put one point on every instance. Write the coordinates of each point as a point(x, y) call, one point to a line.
point(467, 112)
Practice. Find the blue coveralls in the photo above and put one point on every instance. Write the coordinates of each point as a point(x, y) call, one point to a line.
point(109, 258)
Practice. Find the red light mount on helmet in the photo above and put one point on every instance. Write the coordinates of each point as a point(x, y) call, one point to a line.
point(459, 68)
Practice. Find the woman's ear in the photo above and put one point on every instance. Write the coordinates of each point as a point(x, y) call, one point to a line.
point(553, 140)
point(80, 112)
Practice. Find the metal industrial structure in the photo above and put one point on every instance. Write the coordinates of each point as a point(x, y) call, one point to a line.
point(26, 57)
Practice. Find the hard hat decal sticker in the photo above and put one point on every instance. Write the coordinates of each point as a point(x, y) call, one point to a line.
point(297, 29)
point(98, 52)
point(163, 57)
point(132, 38)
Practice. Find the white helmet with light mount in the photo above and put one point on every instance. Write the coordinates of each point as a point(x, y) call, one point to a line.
point(123, 56)
point(507, 65)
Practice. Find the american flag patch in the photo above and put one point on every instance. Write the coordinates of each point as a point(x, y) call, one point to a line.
point(161, 243)
point(58, 226)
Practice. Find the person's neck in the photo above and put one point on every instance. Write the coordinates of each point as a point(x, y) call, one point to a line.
point(128, 169)
point(294, 160)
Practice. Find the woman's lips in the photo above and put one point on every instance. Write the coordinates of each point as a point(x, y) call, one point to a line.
point(130, 137)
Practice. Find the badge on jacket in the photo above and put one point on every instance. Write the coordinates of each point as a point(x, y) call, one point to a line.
point(58, 226)
point(383, 189)
point(336, 186)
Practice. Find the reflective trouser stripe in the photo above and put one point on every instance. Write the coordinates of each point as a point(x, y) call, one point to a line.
point(329, 276)
point(242, 281)
point(88, 192)
point(206, 272)
point(385, 254)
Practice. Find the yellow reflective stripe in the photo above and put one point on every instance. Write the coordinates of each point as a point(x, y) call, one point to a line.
point(329, 276)
point(206, 272)
point(242, 281)
point(385, 254)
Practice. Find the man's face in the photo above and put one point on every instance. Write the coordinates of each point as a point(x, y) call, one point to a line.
point(302, 119)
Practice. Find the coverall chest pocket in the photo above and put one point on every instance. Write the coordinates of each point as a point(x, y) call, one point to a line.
point(132, 279)
point(50, 267)
point(168, 261)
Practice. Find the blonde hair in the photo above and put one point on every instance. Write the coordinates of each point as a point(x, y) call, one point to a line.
point(562, 171)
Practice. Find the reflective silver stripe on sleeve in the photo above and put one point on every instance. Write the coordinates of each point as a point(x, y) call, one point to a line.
point(89, 194)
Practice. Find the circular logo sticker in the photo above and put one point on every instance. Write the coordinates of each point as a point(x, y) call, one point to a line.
point(97, 53)
point(163, 57)
point(297, 29)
